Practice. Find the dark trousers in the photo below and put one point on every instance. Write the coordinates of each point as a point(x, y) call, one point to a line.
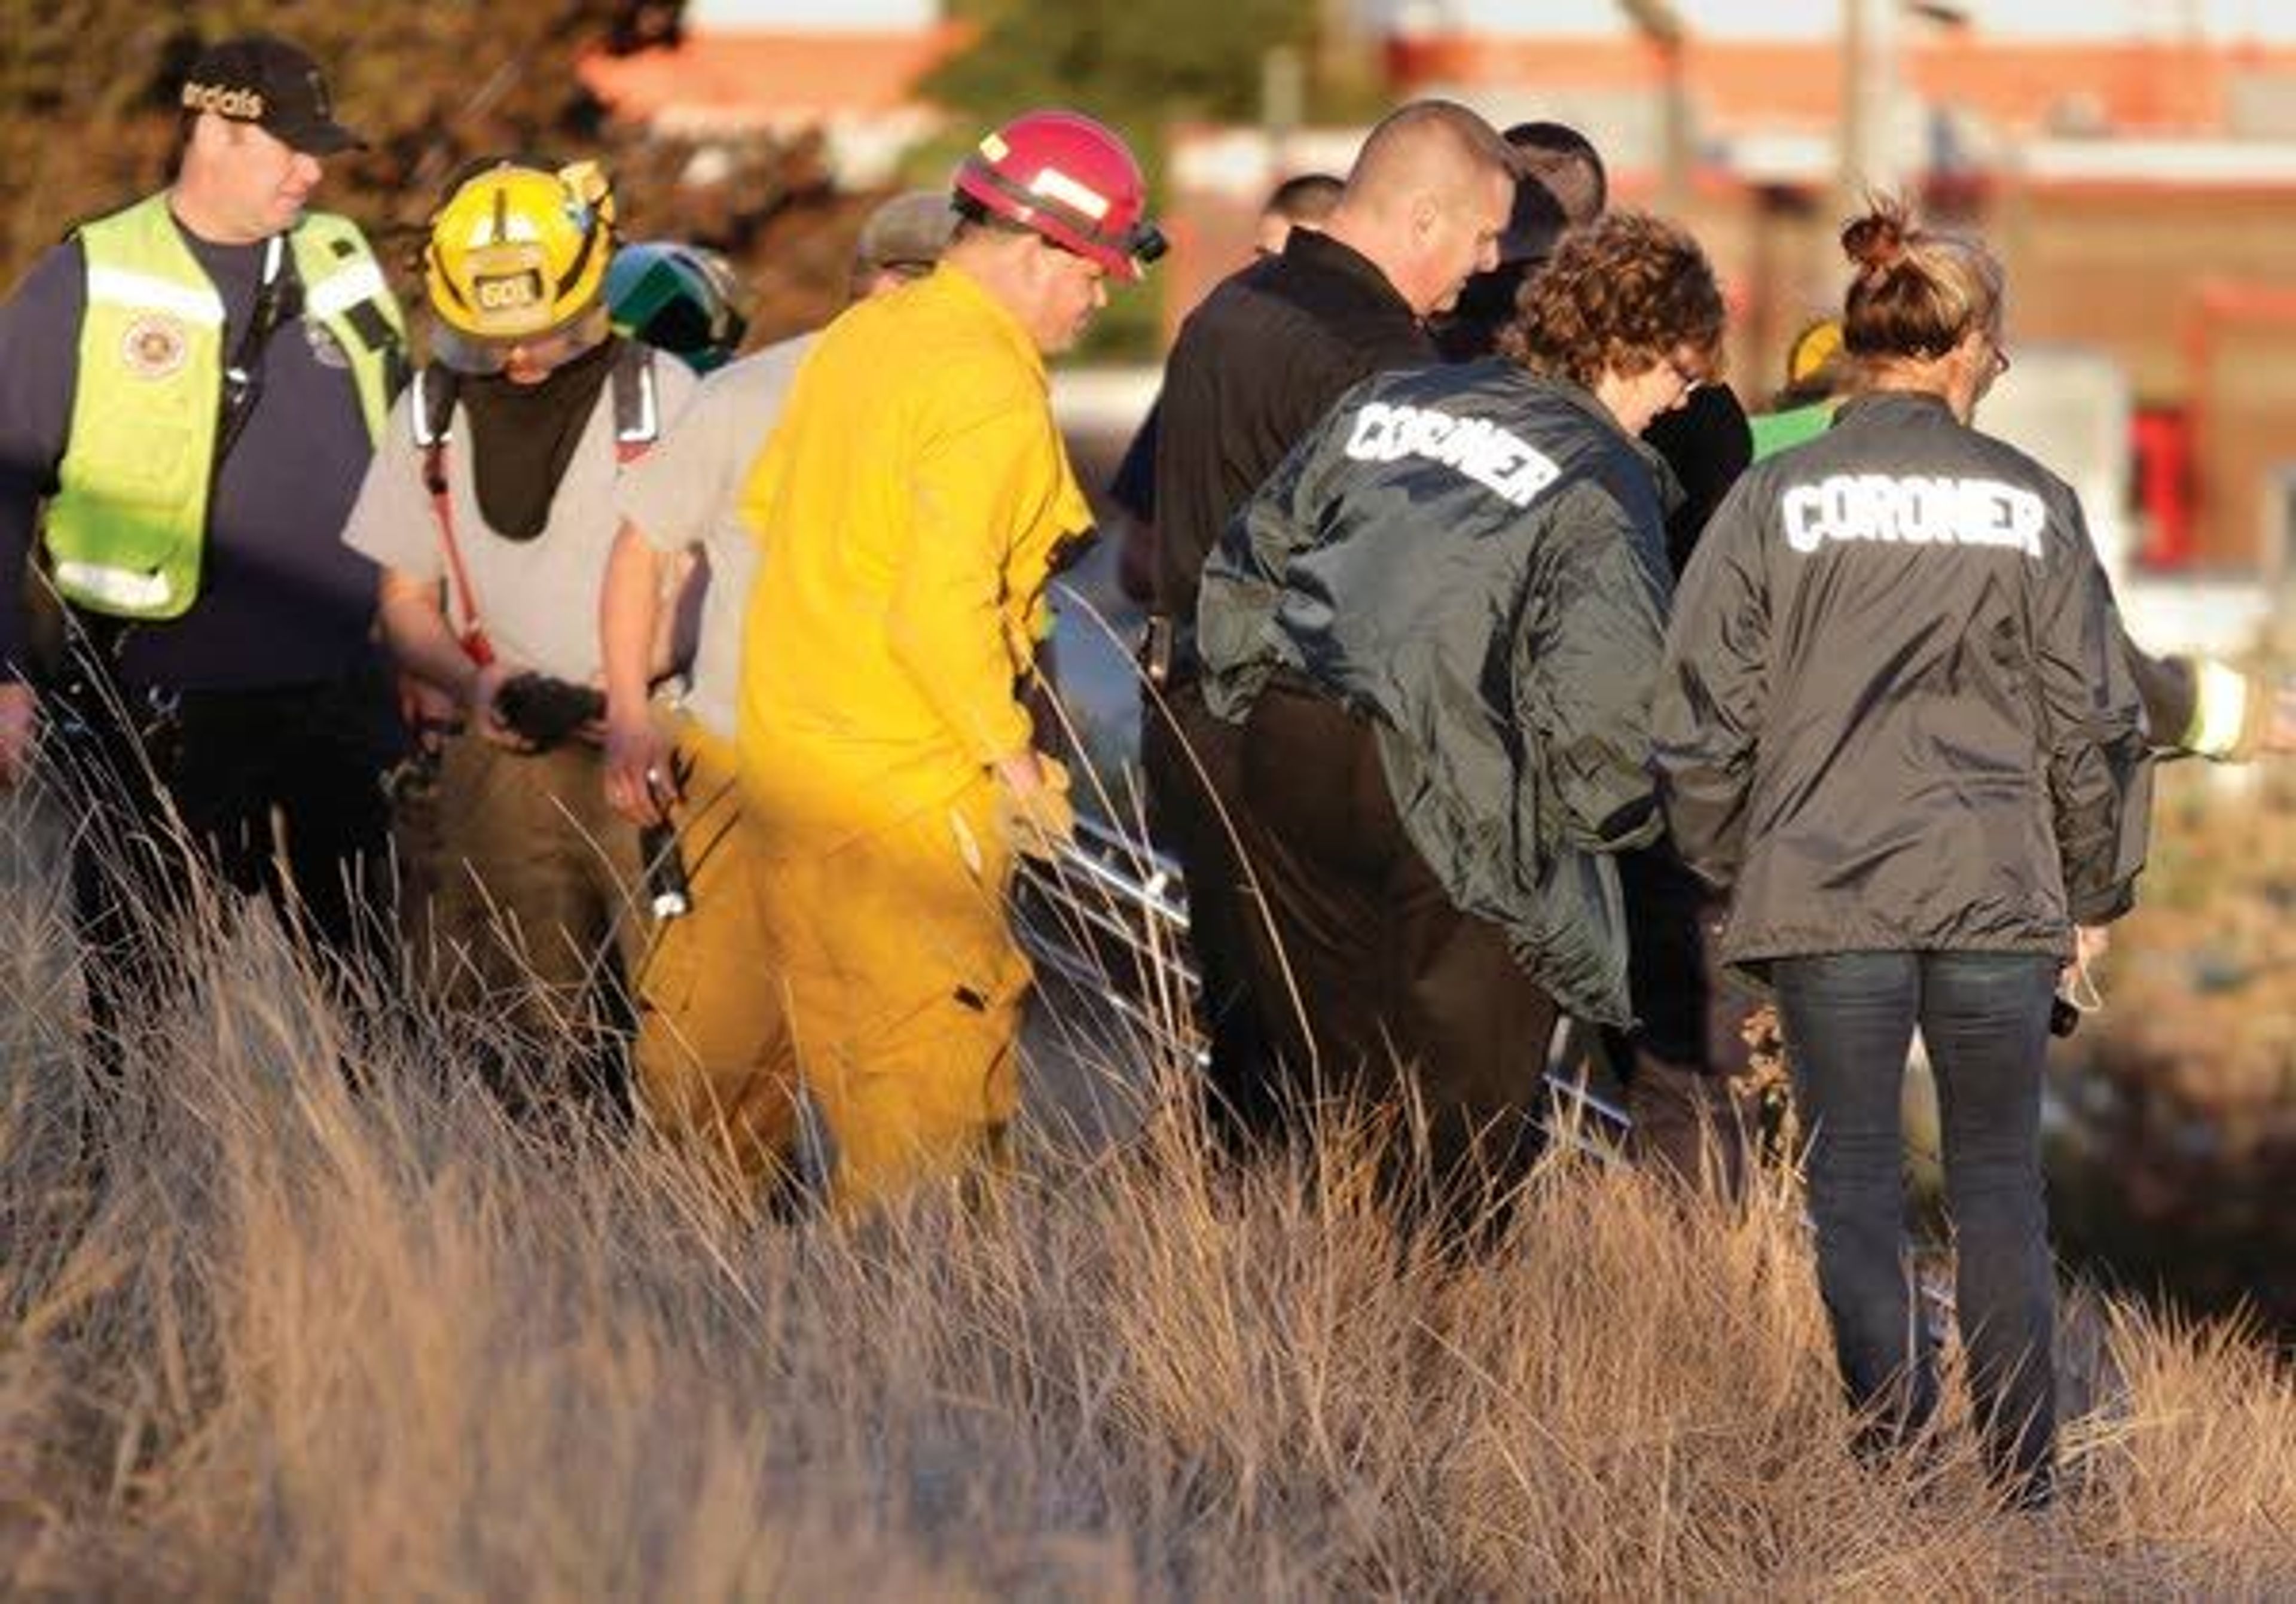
point(1849, 1021)
point(1386, 987)
point(1192, 761)
point(275, 790)
point(1666, 961)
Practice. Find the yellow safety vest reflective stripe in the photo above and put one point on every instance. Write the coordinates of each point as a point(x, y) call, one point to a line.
point(127, 525)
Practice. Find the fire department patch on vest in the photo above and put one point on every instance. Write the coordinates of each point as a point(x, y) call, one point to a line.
point(153, 345)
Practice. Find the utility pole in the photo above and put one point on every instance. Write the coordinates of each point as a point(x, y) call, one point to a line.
point(1660, 25)
point(1282, 98)
point(1339, 44)
point(1868, 160)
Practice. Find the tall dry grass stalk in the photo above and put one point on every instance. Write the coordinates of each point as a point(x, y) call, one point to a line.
point(297, 1342)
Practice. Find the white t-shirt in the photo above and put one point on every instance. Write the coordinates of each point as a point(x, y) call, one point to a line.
point(684, 496)
point(538, 597)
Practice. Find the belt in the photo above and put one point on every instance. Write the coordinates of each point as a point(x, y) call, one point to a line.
point(1167, 652)
point(1296, 682)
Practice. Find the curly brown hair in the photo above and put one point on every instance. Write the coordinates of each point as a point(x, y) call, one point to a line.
point(1620, 295)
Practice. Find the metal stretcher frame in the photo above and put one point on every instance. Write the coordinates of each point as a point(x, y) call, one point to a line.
point(1107, 885)
point(1129, 892)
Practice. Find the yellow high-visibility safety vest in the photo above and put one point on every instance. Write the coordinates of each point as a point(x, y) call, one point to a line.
point(126, 528)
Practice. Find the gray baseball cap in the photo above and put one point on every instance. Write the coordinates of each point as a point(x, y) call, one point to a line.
point(910, 230)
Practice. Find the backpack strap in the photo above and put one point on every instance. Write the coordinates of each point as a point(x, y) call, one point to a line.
point(637, 402)
point(432, 418)
point(637, 425)
point(242, 374)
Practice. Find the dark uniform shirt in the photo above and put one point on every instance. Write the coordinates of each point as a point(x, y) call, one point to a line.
point(1706, 444)
point(1254, 369)
point(282, 600)
point(1134, 488)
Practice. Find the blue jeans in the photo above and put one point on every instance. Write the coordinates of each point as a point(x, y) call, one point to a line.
point(1849, 1021)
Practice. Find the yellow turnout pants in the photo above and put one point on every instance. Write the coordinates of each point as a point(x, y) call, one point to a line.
point(901, 989)
point(713, 1068)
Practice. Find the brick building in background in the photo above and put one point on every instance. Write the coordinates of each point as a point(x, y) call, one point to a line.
point(2136, 164)
point(2133, 160)
point(846, 70)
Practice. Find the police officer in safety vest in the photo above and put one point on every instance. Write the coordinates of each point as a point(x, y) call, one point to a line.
point(189, 391)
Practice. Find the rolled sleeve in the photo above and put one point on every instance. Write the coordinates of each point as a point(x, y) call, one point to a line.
point(680, 495)
point(392, 522)
point(675, 493)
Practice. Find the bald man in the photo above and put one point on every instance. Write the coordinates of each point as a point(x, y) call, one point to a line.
point(1256, 366)
point(1300, 202)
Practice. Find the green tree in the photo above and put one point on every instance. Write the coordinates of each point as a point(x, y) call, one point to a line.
point(1137, 66)
point(91, 87)
point(1140, 66)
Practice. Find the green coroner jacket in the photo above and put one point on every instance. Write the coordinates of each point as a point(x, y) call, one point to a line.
point(1474, 558)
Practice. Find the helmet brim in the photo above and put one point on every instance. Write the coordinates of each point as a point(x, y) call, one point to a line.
point(481, 354)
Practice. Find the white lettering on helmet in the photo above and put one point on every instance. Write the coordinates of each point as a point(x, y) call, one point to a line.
point(1476, 448)
point(1054, 184)
point(1915, 509)
point(506, 292)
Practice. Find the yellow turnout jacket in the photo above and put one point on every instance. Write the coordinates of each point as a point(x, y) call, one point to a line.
point(908, 510)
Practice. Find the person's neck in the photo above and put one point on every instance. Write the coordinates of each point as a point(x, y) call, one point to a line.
point(1363, 234)
point(1614, 392)
point(989, 261)
point(203, 222)
point(1933, 379)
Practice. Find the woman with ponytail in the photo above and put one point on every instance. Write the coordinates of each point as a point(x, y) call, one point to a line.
point(1894, 723)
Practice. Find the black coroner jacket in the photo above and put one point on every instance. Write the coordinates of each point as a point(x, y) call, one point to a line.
point(1255, 367)
point(1895, 714)
point(1474, 560)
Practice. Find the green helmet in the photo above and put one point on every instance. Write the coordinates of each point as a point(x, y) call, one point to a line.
point(678, 299)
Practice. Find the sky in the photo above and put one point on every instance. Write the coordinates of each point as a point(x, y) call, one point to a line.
point(2264, 22)
point(1810, 19)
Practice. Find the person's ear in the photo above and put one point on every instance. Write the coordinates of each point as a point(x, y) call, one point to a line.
point(1426, 212)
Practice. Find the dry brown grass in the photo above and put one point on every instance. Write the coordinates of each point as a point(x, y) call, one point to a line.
point(300, 1343)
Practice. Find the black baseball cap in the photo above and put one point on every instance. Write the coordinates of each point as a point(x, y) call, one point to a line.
point(268, 82)
point(1535, 222)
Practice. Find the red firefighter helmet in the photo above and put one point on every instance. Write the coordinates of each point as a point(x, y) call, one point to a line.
point(1070, 179)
